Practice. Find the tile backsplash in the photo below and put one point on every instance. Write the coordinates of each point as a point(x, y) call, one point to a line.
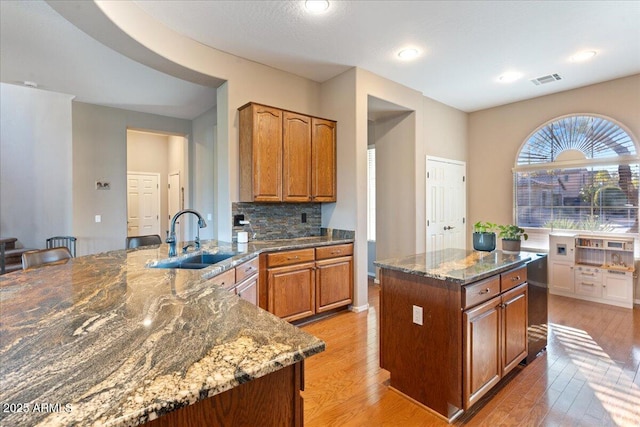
point(278, 220)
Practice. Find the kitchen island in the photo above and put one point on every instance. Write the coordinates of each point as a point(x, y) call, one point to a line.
point(108, 339)
point(453, 323)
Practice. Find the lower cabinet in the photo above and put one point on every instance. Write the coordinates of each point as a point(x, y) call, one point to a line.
point(304, 282)
point(291, 291)
point(495, 341)
point(242, 280)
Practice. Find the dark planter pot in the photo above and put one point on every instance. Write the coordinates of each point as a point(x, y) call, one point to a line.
point(484, 241)
point(512, 246)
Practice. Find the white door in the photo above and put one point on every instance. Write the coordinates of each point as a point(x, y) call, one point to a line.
point(446, 204)
point(143, 204)
point(175, 202)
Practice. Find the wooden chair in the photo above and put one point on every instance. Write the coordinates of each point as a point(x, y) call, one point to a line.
point(137, 241)
point(31, 259)
point(68, 242)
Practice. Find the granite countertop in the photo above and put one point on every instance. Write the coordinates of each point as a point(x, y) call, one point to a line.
point(106, 340)
point(456, 265)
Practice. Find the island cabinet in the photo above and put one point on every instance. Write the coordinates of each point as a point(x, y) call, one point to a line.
point(495, 332)
point(286, 156)
point(305, 282)
point(448, 339)
point(273, 400)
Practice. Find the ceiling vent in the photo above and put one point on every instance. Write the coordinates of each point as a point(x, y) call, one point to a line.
point(546, 79)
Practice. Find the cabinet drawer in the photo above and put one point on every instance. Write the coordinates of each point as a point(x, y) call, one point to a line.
point(247, 269)
point(290, 257)
point(226, 279)
point(588, 274)
point(513, 278)
point(480, 292)
point(334, 251)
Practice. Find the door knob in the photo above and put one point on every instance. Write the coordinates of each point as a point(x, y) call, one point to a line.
point(448, 227)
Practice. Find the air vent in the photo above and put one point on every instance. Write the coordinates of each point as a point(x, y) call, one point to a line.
point(546, 79)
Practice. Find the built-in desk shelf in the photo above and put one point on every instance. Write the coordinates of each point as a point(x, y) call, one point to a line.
point(595, 268)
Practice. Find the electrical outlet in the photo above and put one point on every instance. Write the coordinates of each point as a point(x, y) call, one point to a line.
point(417, 315)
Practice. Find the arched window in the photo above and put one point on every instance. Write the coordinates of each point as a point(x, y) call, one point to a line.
point(578, 172)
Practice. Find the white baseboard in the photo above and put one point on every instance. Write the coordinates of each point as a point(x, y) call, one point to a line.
point(359, 309)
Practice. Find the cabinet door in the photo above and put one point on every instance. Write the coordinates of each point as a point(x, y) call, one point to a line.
point(260, 154)
point(296, 165)
point(481, 349)
point(618, 287)
point(514, 322)
point(334, 283)
point(561, 277)
point(291, 291)
point(248, 289)
point(323, 143)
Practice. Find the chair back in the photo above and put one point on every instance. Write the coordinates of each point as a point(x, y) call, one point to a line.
point(137, 241)
point(68, 242)
point(31, 259)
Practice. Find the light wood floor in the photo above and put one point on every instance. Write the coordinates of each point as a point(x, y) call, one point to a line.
point(589, 375)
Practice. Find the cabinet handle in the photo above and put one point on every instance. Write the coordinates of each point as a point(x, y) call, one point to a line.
point(292, 258)
point(248, 269)
point(486, 291)
point(588, 274)
point(336, 252)
point(515, 279)
point(588, 284)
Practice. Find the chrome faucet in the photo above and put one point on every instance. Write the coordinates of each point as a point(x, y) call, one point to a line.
point(171, 240)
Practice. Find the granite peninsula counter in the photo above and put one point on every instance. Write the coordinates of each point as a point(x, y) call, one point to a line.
point(107, 340)
point(463, 317)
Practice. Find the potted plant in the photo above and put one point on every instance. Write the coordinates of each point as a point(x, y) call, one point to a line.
point(484, 236)
point(511, 236)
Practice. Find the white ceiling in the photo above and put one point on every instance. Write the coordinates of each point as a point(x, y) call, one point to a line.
point(465, 46)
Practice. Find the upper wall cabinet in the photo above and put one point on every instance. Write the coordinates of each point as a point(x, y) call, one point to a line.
point(286, 156)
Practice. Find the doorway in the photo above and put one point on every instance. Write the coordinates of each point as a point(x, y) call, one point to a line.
point(446, 204)
point(143, 204)
point(165, 156)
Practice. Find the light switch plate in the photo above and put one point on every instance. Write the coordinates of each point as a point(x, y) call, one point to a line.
point(417, 315)
point(98, 218)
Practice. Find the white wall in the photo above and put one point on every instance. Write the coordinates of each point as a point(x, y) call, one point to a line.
point(35, 164)
point(203, 173)
point(496, 135)
point(99, 153)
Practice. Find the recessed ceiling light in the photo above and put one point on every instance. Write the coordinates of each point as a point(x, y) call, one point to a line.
point(409, 53)
point(509, 77)
point(316, 6)
point(583, 56)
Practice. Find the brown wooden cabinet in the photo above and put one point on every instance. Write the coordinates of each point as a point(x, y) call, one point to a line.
point(495, 335)
point(291, 291)
point(247, 280)
point(334, 277)
point(286, 156)
point(242, 280)
point(304, 282)
point(481, 350)
point(296, 173)
point(260, 153)
point(481, 327)
point(323, 145)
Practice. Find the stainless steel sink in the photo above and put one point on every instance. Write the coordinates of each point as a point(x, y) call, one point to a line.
point(196, 261)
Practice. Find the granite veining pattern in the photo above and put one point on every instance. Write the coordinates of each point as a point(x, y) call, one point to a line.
point(105, 340)
point(455, 265)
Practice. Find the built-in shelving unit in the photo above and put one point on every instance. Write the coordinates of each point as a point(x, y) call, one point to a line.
point(591, 267)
